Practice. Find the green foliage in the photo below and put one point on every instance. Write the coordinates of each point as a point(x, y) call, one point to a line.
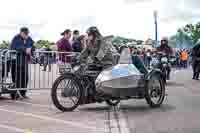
point(4, 44)
point(181, 40)
point(122, 40)
point(186, 37)
point(193, 31)
point(189, 34)
point(43, 43)
point(139, 42)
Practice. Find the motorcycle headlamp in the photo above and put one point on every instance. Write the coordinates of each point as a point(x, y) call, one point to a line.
point(76, 68)
point(164, 59)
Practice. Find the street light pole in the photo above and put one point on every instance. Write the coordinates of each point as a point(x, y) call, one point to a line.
point(156, 28)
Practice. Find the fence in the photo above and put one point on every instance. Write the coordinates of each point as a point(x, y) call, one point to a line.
point(22, 72)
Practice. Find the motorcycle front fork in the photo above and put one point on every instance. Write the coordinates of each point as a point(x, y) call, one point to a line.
point(167, 72)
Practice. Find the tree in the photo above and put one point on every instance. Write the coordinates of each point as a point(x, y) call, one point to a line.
point(192, 31)
point(181, 40)
point(123, 41)
point(139, 42)
point(5, 44)
point(43, 43)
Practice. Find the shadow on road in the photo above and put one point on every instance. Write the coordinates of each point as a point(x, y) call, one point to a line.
point(132, 108)
point(175, 84)
point(4, 98)
point(95, 109)
point(146, 108)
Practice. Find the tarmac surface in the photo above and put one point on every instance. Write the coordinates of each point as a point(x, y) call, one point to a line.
point(180, 113)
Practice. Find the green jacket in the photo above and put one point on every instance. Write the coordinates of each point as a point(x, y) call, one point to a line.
point(101, 49)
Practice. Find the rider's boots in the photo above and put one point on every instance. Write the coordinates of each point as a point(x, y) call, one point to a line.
point(168, 74)
point(194, 75)
point(197, 76)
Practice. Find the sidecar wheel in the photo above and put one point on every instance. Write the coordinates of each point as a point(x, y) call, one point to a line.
point(112, 102)
point(70, 89)
point(155, 88)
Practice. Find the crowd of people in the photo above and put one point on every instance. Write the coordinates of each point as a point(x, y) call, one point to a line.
point(92, 44)
point(182, 57)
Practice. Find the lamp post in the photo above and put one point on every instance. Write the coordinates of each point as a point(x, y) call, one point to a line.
point(156, 28)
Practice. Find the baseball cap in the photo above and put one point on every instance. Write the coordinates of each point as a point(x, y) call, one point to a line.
point(24, 30)
point(75, 32)
point(65, 31)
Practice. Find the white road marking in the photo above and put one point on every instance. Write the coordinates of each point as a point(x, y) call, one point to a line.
point(50, 106)
point(38, 105)
point(75, 124)
point(123, 123)
point(11, 128)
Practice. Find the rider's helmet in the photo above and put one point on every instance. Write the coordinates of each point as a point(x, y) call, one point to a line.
point(94, 31)
point(164, 41)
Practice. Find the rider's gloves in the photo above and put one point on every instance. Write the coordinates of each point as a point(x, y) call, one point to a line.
point(82, 68)
point(96, 60)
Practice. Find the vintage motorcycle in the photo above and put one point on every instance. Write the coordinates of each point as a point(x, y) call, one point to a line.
point(90, 84)
point(161, 61)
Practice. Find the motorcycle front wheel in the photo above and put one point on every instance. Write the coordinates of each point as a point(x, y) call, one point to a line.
point(65, 88)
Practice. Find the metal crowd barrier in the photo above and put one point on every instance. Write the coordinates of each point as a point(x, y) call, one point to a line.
point(22, 72)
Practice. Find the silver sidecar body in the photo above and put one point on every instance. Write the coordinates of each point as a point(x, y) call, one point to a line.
point(123, 79)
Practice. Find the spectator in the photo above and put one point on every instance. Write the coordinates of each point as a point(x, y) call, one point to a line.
point(78, 44)
point(122, 48)
point(47, 59)
point(117, 48)
point(65, 46)
point(177, 55)
point(184, 58)
point(42, 55)
point(23, 44)
point(148, 58)
point(75, 36)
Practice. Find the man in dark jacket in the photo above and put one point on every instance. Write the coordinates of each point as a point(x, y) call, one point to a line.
point(78, 44)
point(23, 45)
point(75, 35)
point(196, 61)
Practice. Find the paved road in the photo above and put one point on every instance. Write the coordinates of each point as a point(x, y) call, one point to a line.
point(180, 113)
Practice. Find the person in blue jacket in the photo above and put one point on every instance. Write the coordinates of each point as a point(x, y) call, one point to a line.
point(23, 44)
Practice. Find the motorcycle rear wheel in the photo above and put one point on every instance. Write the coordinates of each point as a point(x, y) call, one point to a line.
point(153, 92)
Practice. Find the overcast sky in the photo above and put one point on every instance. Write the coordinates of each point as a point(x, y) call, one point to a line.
point(130, 18)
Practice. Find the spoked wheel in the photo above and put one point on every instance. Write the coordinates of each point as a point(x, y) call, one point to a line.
point(66, 93)
point(155, 91)
point(112, 102)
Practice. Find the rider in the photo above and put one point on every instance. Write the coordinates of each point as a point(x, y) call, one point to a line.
point(167, 50)
point(98, 50)
point(196, 61)
point(164, 47)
